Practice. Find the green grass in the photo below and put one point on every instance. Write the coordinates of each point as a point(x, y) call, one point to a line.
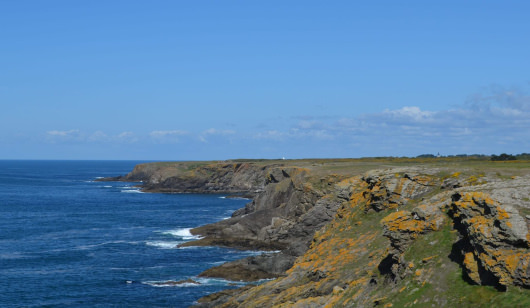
point(446, 286)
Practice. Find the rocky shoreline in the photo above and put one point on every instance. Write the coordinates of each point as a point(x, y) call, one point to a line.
point(352, 232)
point(281, 217)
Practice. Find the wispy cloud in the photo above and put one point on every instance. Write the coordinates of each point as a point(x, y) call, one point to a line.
point(77, 136)
point(165, 133)
point(167, 136)
point(222, 132)
point(63, 133)
point(217, 133)
point(126, 137)
point(102, 137)
point(493, 120)
point(64, 136)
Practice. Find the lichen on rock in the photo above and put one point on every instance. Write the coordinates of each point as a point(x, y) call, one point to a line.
point(497, 240)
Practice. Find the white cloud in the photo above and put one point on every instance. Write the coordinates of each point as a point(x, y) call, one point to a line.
point(492, 123)
point(128, 137)
point(410, 113)
point(270, 134)
point(98, 136)
point(309, 124)
point(167, 136)
point(294, 133)
point(64, 136)
point(166, 133)
point(63, 133)
point(211, 132)
point(102, 137)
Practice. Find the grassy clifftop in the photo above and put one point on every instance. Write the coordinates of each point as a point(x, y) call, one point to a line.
point(388, 232)
point(424, 235)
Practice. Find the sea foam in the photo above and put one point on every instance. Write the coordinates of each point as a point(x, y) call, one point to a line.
point(163, 244)
point(132, 191)
point(183, 233)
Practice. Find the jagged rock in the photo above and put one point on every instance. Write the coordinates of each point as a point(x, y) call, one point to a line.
point(326, 226)
point(497, 240)
point(402, 227)
point(393, 189)
point(451, 183)
point(252, 268)
point(216, 299)
point(203, 178)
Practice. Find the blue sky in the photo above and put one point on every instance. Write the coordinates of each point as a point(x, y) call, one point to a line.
point(186, 80)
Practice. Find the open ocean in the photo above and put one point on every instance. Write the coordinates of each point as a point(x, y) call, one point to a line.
point(67, 241)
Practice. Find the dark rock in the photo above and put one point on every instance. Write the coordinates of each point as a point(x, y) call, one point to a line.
point(252, 268)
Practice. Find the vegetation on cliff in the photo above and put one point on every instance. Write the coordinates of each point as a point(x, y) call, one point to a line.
point(426, 232)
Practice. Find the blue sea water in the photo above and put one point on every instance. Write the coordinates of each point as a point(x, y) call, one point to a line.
point(68, 241)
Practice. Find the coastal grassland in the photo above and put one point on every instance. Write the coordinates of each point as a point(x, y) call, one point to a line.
point(352, 263)
point(391, 242)
point(438, 280)
point(465, 166)
point(350, 250)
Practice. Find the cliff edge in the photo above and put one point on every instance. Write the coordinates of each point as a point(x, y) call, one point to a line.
point(367, 233)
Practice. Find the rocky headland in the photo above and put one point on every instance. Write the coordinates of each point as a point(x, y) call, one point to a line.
point(365, 232)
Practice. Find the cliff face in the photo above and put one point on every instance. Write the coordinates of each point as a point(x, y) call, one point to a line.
point(351, 236)
point(199, 177)
point(283, 216)
point(402, 240)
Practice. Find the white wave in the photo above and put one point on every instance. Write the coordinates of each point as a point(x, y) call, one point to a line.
point(194, 247)
point(200, 281)
point(234, 198)
point(183, 233)
point(107, 186)
point(258, 252)
point(163, 244)
point(217, 281)
point(197, 281)
point(225, 218)
point(170, 283)
point(271, 251)
point(100, 177)
point(87, 247)
point(132, 191)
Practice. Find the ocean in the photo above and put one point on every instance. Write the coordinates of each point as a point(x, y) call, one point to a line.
point(68, 241)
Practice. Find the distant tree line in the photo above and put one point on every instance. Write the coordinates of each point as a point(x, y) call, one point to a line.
point(503, 157)
point(493, 157)
point(523, 156)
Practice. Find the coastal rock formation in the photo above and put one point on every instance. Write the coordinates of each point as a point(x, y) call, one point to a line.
point(284, 217)
point(198, 177)
point(495, 240)
point(341, 234)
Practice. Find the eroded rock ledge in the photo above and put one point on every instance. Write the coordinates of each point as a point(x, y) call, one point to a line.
point(348, 236)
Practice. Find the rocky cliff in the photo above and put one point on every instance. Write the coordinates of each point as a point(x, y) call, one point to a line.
point(366, 233)
point(199, 177)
